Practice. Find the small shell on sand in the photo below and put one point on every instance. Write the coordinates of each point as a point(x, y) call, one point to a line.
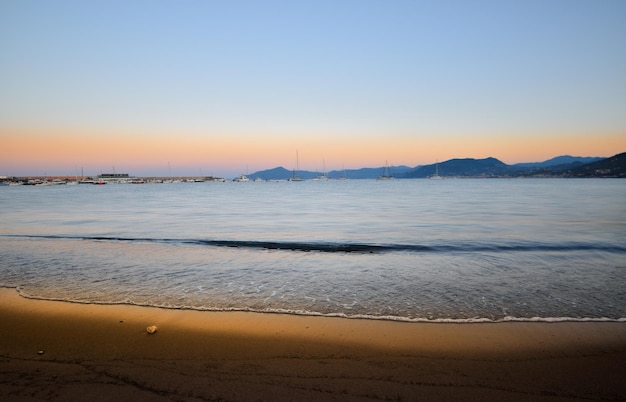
point(40, 352)
point(151, 329)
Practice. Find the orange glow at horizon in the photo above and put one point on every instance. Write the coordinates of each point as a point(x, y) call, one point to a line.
point(69, 149)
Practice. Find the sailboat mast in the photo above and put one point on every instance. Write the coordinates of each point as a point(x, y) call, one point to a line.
point(295, 176)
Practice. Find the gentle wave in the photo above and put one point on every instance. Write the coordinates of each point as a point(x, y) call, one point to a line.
point(473, 320)
point(330, 247)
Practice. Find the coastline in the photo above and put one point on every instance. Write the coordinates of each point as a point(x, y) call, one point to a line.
point(103, 352)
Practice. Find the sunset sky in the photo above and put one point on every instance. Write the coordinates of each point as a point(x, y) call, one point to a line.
point(224, 87)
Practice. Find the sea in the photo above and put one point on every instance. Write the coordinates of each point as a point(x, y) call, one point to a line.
point(453, 250)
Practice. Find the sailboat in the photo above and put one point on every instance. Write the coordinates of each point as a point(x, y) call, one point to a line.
point(295, 176)
point(386, 173)
point(436, 175)
point(323, 175)
point(345, 176)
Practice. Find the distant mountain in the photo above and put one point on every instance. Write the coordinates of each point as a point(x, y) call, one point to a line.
point(487, 167)
point(560, 160)
point(614, 166)
point(370, 173)
point(561, 166)
point(280, 173)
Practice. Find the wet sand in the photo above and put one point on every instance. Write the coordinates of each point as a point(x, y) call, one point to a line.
point(75, 352)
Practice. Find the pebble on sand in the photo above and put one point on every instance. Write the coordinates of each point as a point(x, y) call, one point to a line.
point(151, 329)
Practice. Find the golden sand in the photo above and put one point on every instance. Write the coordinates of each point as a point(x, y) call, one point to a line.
point(64, 351)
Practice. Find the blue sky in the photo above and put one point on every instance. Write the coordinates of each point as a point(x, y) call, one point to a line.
point(438, 76)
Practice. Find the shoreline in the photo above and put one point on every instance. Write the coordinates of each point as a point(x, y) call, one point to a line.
point(103, 352)
point(508, 319)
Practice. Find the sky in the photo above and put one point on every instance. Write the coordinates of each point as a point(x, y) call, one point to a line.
point(221, 88)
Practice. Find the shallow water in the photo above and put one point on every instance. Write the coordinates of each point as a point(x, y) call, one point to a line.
point(463, 250)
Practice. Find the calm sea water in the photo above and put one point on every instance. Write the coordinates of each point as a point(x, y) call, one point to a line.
point(413, 250)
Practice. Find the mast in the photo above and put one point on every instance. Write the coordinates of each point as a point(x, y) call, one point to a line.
point(295, 176)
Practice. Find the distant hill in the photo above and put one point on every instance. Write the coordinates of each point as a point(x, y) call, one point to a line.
point(462, 168)
point(614, 166)
point(575, 167)
point(280, 173)
point(370, 173)
point(561, 166)
point(560, 160)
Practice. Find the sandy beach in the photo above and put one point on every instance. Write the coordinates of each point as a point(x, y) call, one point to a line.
point(69, 352)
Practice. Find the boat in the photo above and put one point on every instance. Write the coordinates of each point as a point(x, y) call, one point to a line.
point(323, 176)
point(241, 178)
point(436, 175)
point(386, 173)
point(345, 176)
point(295, 176)
point(91, 181)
